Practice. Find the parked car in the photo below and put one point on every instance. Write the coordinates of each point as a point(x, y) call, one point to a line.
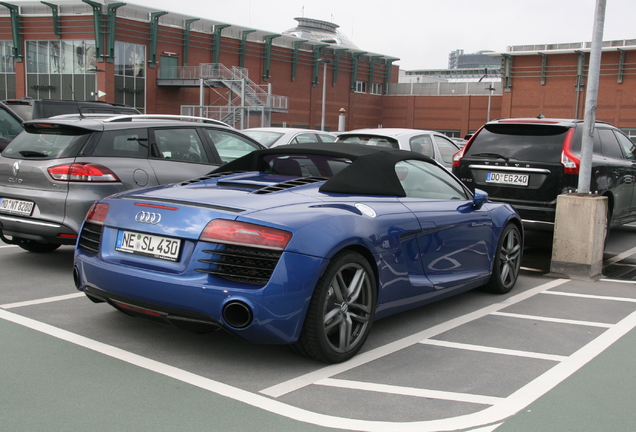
point(29, 109)
point(276, 136)
point(528, 162)
point(10, 125)
point(53, 171)
point(303, 245)
point(429, 143)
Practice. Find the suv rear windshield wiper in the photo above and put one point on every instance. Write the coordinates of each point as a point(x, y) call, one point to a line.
point(491, 155)
point(31, 153)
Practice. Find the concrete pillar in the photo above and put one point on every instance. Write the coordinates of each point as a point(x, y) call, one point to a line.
point(579, 236)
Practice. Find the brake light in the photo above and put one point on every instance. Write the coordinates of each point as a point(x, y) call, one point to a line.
point(457, 157)
point(571, 163)
point(245, 234)
point(97, 213)
point(82, 172)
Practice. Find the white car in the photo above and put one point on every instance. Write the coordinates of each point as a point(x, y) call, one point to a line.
point(277, 136)
point(430, 143)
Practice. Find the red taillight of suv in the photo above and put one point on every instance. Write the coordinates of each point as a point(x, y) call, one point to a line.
point(571, 163)
point(457, 157)
point(82, 172)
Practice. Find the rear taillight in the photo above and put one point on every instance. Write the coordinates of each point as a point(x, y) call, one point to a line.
point(457, 157)
point(82, 172)
point(97, 213)
point(571, 163)
point(245, 234)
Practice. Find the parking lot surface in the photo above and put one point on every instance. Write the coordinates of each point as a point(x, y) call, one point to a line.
point(553, 352)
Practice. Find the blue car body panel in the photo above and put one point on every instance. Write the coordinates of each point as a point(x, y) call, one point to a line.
point(420, 250)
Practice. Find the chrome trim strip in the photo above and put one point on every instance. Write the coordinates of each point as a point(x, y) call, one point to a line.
point(508, 168)
point(25, 221)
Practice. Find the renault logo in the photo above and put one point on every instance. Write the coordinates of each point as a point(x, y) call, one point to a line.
point(16, 168)
point(148, 217)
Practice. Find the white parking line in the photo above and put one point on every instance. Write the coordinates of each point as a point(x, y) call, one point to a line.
point(619, 257)
point(554, 320)
point(500, 410)
point(590, 296)
point(366, 357)
point(492, 350)
point(41, 301)
point(410, 391)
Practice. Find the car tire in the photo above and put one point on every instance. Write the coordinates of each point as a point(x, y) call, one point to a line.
point(36, 247)
point(507, 261)
point(341, 310)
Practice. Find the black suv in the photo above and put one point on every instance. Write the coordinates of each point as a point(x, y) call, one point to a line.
point(528, 162)
point(28, 108)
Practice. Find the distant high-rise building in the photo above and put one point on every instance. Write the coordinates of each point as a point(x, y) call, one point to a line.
point(458, 60)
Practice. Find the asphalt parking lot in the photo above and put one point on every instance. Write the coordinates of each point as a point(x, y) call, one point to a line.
point(554, 354)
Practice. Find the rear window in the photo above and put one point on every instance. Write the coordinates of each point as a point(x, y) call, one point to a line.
point(534, 143)
point(40, 144)
point(264, 137)
point(304, 165)
point(373, 140)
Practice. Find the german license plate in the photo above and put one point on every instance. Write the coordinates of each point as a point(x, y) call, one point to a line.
point(149, 245)
point(13, 206)
point(508, 178)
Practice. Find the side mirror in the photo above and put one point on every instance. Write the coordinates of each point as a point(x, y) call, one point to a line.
point(479, 198)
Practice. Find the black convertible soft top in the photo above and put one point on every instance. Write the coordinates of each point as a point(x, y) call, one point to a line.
point(372, 171)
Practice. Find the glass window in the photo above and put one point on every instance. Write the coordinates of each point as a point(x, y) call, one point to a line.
point(9, 127)
point(229, 145)
point(422, 144)
point(180, 144)
point(130, 143)
point(361, 86)
point(46, 144)
point(446, 147)
point(304, 138)
point(424, 180)
point(629, 148)
point(327, 138)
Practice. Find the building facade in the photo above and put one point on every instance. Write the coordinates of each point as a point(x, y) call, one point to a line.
point(166, 63)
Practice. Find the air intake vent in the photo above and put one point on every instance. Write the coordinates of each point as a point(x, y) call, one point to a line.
point(242, 264)
point(290, 184)
point(90, 237)
point(208, 177)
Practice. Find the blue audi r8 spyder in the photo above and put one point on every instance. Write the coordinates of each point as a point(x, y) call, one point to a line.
point(304, 245)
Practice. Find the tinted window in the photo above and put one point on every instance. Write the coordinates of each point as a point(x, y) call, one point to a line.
point(425, 180)
point(54, 144)
point(9, 126)
point(539, 143)
point(610, 144)
point(629, 148)
point(180, 144)
point(230, 145)
point(129, 143)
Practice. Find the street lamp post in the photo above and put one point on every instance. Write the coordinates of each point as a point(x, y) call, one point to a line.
point(490, 90)
point(324, 62)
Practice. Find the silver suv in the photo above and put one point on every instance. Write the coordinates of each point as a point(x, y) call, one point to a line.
point(52, 172)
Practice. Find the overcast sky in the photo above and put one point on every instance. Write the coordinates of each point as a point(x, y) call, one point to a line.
point(423, 32)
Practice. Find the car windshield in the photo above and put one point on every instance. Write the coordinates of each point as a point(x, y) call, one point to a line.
point(264, 137)
point(50, 145)
point(535, 143)
point(373, 140)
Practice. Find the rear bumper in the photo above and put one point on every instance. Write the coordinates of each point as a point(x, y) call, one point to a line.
point(37, 230)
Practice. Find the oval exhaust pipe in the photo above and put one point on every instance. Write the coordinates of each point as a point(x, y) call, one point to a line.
point(237, 314)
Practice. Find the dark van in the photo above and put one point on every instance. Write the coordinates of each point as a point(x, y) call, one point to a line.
point(29, 109)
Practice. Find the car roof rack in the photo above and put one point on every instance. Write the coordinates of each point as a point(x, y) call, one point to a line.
point(130, 117)
point(87, 115)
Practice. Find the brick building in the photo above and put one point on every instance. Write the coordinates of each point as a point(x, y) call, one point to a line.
point(165, 62)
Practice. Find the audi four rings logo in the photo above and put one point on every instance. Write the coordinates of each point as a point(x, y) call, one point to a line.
point(148, 217)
